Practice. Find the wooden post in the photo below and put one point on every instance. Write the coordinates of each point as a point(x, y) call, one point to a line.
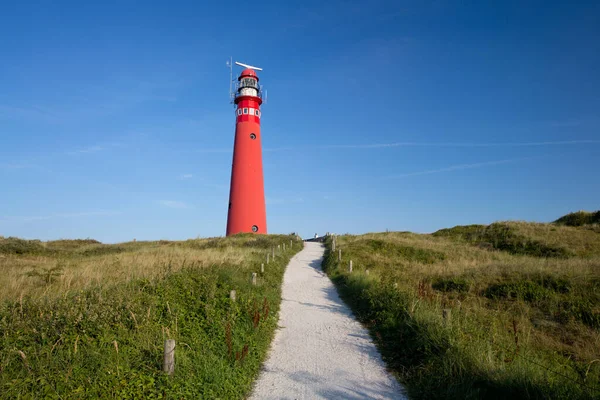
point(273, 253)
point(340, 255)
point(291, 244)
point(262, 268)
point(232, 295)
point(333, 245)
point(284, 247)
point(278, 247)
point(268, 257)
point(367, 272)
point(395, 285)
point(350, 266)
point(447, 315)
point(169, 357)
point(254, 278)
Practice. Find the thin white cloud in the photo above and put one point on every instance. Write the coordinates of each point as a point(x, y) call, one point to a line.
point(275, 201)
point(84, 214)
point(186, 176)
point(413, 144)
point(93, 101)
point(22, 112)
point(458, 167)
point(17, 166)
point(216, 186)
point(87, 150)
point(173, 204)
point(216, 150)
point(88, 214)
point(97, 148)
point(276, 149)
point(272, 201)
point(458, 144)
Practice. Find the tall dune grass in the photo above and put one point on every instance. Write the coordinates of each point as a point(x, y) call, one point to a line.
point(469, 313)
point(79, 319)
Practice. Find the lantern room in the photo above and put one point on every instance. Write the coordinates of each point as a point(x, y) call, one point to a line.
point(248, 84)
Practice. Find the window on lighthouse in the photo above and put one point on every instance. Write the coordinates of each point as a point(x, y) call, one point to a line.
point(245, 111)
point(249, 82)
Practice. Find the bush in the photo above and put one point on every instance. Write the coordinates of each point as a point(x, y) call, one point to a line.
point(556, 284)
point(501, 236)
point(70, 244)
point(14, 245)
point(581, 309)
point(579, 218)
point(102, 249)
point(454, 284)
point(522, 290)
point(408, 253)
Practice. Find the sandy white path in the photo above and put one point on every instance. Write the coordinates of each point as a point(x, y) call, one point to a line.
point(320, 350)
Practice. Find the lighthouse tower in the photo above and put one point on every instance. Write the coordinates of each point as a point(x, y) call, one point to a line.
point(247, 193)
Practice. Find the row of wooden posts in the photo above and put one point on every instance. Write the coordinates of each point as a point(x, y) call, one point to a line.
point(333, 246)
point(446, 312)
point(169, 349)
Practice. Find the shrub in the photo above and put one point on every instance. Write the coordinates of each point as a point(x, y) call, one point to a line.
point(12, 245)
point(408, 253)
point(556, 284)
point(579, 218)
point(454, 284)
point(102, 249)
point(501, 236)
point(522, 290)
point(581, 309)
point(70, 244)
point(470, 233)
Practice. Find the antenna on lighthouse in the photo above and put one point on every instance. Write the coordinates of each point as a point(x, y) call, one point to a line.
point(229, 63)
point(248, 66)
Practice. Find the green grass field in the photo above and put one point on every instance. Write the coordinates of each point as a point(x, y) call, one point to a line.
point(80, 319)
point(509, 310)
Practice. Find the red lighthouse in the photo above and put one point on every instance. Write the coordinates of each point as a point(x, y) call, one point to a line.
point(247, 193)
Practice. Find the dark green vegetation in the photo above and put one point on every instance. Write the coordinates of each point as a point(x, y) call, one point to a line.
point(579, 218)
point(588, 220)
point(502, 236)
point(505, 311)
point(104, 337)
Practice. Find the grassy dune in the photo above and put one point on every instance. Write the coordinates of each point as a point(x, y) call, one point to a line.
point(79, 264)
point(80, 319)
point(522, 305)
point(580, 218)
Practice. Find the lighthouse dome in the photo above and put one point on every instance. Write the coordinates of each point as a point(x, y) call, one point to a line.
point(248, 73)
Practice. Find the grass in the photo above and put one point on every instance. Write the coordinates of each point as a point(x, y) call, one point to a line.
point(521, 305)
point(84, 263)
point(80, 319)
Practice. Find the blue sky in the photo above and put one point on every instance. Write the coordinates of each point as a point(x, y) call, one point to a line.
point(115, 122)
